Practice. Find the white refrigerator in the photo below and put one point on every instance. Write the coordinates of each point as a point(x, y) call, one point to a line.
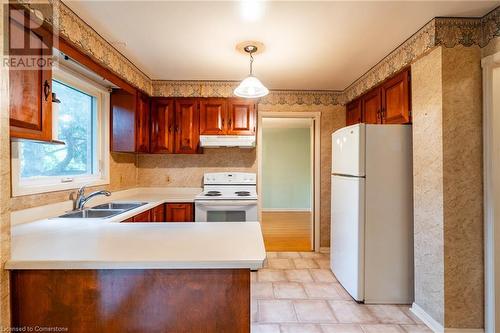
point(372, 212)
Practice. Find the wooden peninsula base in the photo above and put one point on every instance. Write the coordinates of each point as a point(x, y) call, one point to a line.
point(132, 300)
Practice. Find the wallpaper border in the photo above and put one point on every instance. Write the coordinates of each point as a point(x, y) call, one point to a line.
point(440, 31)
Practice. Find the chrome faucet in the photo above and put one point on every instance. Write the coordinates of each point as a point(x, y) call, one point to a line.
point(81, 199)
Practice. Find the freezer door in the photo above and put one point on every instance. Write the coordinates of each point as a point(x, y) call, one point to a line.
point(347, 233)
point(348, 151)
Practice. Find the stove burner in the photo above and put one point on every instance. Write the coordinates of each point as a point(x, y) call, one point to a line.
point(242, 193)
point(213, 194)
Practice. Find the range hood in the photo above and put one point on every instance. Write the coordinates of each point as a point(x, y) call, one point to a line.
point(217, 141)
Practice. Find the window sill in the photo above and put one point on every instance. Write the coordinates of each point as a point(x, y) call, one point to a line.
point(31, 189)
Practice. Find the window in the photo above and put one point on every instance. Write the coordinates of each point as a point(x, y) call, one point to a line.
point(80, 122)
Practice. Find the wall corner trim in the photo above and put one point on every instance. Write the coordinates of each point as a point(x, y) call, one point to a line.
point(437, 327)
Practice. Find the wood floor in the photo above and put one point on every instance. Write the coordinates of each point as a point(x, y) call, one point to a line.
point(287, 231)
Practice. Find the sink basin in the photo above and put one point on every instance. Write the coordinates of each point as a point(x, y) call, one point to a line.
point(92, 213)
point(120, 205)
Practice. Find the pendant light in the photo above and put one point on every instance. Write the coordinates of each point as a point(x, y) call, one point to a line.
point(251, 87)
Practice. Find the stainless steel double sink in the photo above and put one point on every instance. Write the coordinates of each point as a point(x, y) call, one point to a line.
point(103, 211)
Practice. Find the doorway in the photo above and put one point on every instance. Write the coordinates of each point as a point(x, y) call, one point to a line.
point(491, 133)
point(287, 187)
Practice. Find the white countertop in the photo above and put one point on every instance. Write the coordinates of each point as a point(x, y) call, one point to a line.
point(106, 244)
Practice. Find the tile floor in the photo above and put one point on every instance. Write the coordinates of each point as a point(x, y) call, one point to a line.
point(296, 292)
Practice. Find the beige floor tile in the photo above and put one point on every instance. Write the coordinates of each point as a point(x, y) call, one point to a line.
point(289, 290)
point(322, 290)
point(313, 311)
point(312, 255)
point(300, 328)
point(265, 328)
point(288, 255)
point(305, 263)
point(350, 312)
point(323, 263)
point(390, 314)
point(280, 263)
point(262, 290)
point(341, 328)
point(322, 275)
point(276, 311)
point(271, 255)
point(406, 309)
point(298, 275)
point(343, 293)
point(270, 275)
point(382, 329)
point(416, 329)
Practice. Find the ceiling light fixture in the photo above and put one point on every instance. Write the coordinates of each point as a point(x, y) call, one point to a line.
point(251, 87)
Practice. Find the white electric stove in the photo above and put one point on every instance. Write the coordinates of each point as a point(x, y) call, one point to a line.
point(227, 197)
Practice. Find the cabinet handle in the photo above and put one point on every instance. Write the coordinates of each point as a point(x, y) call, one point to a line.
point(229, 122)
point(222, 122)
point(46, 89)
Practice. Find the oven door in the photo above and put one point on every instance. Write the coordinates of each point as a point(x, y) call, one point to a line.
point(226, 211)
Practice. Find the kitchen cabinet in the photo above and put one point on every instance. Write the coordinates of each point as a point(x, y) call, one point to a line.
point(353, 112)
point(30, 90)
point(162, 126)
point(371, 106)
point(388, 103)
point(158, 213)
point(396, 99)
point(241, 116)
point(143, 217)
point(179, 212)
point(142, 124)
point(213, 114)
point(187, 125)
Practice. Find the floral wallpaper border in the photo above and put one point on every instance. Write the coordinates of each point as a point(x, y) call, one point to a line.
point(440, 31)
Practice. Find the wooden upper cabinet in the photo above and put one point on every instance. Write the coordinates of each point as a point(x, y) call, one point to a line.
point(353, 112)
point(213, 115)
point(241, 117)
point(396, 99)
point(30, 90)
point(123, 119)
point(371, 105)
point(142, 124)
point(179, 212)
point(162, 126)
point(187, 126)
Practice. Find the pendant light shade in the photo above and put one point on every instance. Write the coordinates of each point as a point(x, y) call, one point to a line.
point(251, 87)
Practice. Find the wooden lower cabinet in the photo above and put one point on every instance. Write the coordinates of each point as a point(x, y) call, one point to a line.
point(179, 212)
point(158, 214)
point(132, 300)
point(143, 217)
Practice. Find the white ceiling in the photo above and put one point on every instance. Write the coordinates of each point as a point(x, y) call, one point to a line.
point(309, 45)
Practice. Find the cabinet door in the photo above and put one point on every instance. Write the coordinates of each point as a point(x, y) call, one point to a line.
point(353, 112)
point(158, 213)
point(143, 217)
point(128, 220)
point(213, 114)
point(370, 106)
point(142, 124)
point(179, 212)
point(187, 126)
point(30, 90)
point(162, 126)
point(241, 117)
point(123, 118)
point(396, 99)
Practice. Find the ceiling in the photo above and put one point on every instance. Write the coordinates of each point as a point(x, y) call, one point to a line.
point(308, 45)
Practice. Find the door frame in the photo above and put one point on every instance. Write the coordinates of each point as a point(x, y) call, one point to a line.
point(491, 164)
point(316, 119)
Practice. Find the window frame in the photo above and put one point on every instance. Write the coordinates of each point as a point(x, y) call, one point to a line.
point(61, 183)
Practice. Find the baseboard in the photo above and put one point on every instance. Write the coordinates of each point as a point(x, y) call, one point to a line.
point(437, 327)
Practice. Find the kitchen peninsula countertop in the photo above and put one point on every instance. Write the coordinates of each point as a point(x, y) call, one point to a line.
point(55, 243)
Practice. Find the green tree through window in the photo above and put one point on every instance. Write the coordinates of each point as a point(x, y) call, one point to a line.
point(76, 127)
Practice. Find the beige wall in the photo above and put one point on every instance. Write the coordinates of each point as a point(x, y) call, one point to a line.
point(4, 184)
point(123, 175)
point(447, 134)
